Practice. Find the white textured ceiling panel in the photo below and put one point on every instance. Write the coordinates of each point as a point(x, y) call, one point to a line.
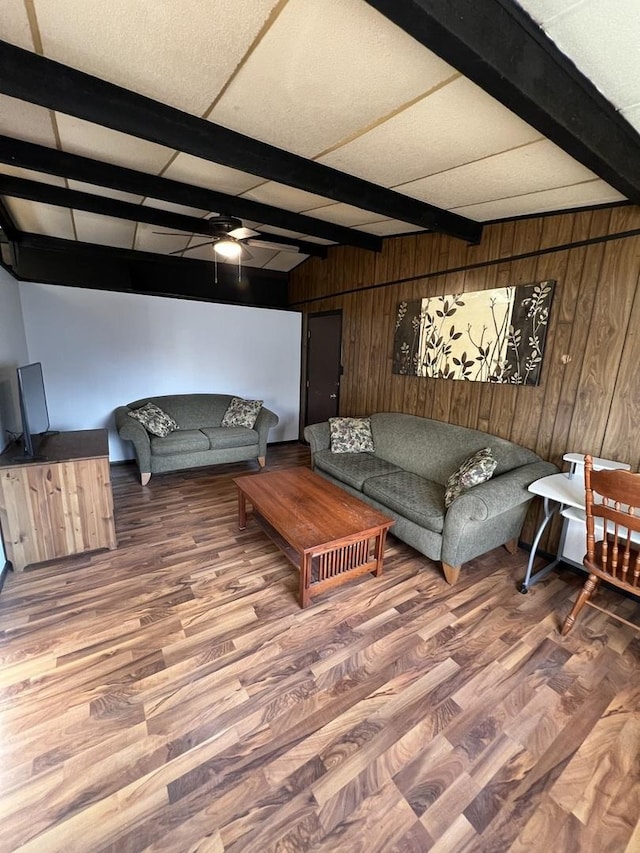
point(345, 214)
point(213, 176)
point(285, 232)
point(107, 192)
point(26, 121)
point(602, 38)
point(419, 140)
point(30, 175)
point(105, 230)
point(161, 204)
point(15, 24)
point(100, 143)
point(326, 69)
point(41, 218)
point(548, 8)
point(389, 227)
point(259, 257)
point(562, 198)
point(149, 240)
point(289, 198)
point(539, 166)
point(285, 261)
point(180, 53)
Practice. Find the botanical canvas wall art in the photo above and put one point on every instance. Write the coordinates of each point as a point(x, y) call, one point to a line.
point(483, 336)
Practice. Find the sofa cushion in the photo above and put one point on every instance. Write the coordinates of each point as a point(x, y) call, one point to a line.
point(477, 469)
point(191, 411)
point(434, 449)
point(182, 441)
point(351, 435)
point(222, 437)
point(241, 413)
point(154, 419)
point(352, 468)
point(419, 500)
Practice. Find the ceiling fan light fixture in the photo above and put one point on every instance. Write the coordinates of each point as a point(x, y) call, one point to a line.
point(227, 248)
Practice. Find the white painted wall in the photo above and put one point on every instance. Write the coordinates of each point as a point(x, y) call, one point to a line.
point(100, 350)
point(13, 352)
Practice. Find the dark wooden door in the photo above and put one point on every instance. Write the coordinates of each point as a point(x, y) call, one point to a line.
point(324, 349)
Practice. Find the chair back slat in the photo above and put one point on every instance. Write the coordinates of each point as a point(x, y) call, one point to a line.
point(613, 496)
point(612, 506)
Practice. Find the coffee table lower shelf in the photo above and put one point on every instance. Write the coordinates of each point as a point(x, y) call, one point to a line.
point(325, 566)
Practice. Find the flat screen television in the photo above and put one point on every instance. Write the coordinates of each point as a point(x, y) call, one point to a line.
point(33, 407)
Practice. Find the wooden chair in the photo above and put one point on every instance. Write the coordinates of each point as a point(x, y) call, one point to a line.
point(615, 558)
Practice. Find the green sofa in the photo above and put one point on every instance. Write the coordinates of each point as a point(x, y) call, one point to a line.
point(406, 475)
point(200, 440)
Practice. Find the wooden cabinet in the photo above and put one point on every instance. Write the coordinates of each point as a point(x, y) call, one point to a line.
point(61, 504)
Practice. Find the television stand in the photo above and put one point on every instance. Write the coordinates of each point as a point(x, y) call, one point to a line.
point(25, 459)
point(59, 505)
point(20, 456)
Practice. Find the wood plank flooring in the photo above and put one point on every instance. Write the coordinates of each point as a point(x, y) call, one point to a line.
point(172, 696)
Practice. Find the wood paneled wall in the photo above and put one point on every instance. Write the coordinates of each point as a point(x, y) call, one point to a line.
point(588, 399)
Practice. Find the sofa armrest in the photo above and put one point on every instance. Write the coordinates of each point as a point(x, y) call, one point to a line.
point(264, 422)
point(318, 436)
point(490, 514)
point(132, 430)
point(497, 495)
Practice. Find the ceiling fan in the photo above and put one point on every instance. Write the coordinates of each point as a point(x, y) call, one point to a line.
point(230, 238)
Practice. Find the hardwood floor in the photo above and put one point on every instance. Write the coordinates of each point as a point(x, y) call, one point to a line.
point(171, 695)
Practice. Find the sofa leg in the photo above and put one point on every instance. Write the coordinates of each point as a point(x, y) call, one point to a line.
point(512, 546)
point(145, 476)
point(451, 573)
point(262, 461)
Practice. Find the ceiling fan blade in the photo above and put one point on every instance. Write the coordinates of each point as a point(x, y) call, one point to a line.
point(189, 248)
point(277, 247)
point(242, 233)
point(173, 233)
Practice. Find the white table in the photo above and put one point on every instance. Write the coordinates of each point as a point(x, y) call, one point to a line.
point(564, 494)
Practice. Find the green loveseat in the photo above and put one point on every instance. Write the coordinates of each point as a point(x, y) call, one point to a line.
point(200, 439)
point(406, 475)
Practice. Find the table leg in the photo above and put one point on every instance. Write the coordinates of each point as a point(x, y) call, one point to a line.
point(379, 551)
point(242, 510)
point(529, 579)
point(305, 579)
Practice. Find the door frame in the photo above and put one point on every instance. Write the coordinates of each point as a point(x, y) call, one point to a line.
point(304, 373)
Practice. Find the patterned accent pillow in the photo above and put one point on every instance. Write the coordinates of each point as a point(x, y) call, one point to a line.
point(241, 413)
point(154, 419)
point(351, 435)
point(477, 469)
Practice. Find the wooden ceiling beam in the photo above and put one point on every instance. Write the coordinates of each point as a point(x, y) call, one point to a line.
point(72, 199)
point(500, 48)
point(40, 158)
point(36, 79)
point(53, 260)
point(6, 222)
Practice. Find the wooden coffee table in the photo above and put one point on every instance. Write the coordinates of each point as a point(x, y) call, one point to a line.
point(327, 534)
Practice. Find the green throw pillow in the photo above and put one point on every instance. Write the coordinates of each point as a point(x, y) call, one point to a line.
point(351, 435)
point(154, 419)
point(241, 413)
point(477, 469)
